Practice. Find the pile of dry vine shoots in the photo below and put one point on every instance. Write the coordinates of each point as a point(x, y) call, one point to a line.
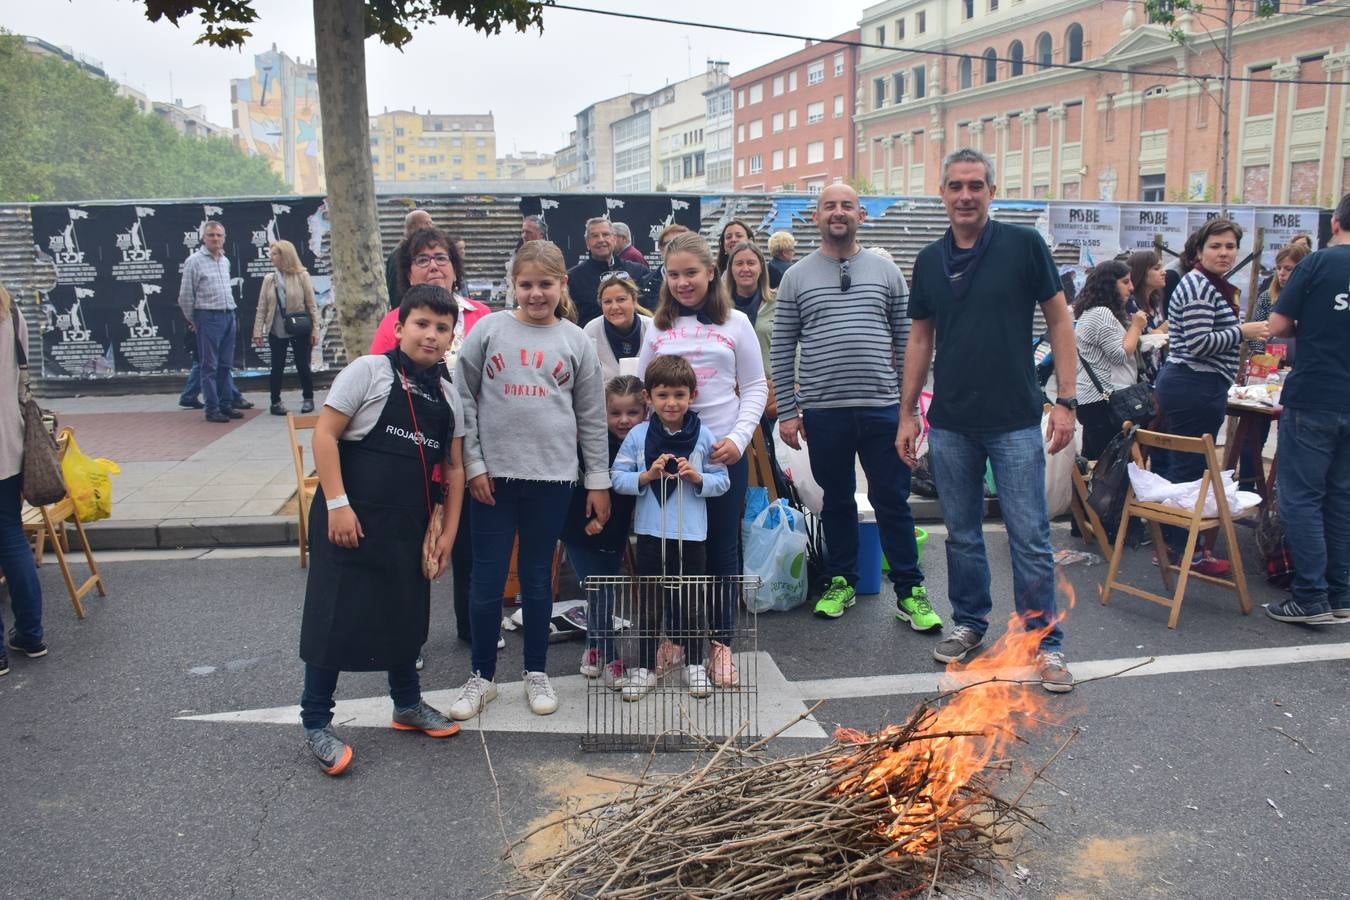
point(747, 825)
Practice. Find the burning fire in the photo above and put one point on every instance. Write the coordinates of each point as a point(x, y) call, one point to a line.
point(925, 777)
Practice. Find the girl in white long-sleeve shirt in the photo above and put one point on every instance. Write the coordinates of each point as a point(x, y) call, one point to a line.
point(695, 319)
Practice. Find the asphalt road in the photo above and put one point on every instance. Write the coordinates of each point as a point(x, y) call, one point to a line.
point(1211, 776)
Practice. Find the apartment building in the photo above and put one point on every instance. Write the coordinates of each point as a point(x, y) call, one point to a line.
point(793, 119)
point(1118, 125)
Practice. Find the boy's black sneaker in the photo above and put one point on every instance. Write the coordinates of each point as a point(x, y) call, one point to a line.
point(32, 651)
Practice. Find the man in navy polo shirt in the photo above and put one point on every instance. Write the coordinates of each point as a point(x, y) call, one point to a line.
point(1313, 482)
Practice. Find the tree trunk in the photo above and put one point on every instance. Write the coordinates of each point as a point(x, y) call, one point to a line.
point(1225, 101)
point(358, 264)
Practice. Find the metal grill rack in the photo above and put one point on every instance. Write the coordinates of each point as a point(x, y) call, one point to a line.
point(666, 612)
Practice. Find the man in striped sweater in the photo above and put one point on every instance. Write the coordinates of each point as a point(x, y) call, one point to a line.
point(847, 313)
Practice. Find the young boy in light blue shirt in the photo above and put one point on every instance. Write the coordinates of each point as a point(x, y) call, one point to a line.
point(666, 461)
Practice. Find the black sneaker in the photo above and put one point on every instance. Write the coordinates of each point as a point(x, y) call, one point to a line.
point(32, 651)
point(1292, 611)
point(242, 403)
point(4, 662)
point(192, 404)
point(277, 409)
point(230, 412)
point(333, 755)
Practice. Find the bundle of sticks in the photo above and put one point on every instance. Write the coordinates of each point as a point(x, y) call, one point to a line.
point(842, 821)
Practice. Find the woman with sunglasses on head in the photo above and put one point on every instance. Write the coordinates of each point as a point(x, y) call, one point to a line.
point(622, 325)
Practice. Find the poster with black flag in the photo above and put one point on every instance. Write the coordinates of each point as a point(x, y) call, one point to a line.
point(112, 308)
point(646, 215)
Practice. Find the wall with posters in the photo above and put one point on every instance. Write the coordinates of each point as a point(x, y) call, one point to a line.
point(112, 308)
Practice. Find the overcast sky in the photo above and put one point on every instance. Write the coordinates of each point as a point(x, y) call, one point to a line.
point(533, 83)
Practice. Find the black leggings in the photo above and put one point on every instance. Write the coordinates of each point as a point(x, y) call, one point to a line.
point(299, 346)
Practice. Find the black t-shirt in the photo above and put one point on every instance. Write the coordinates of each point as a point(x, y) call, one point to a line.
point(984, 376)
point(1318, 298)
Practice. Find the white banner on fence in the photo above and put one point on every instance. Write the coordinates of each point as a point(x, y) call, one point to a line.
point(1093, 227)
point(1140, 222)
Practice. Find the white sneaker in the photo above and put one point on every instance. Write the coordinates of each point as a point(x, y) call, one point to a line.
point(696, 676)
point(477, 693)
point(640, 684)
point(539, 692)
point(614, 675)
point(590, 662)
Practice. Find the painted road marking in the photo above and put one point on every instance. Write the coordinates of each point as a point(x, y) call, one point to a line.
point(780, 701)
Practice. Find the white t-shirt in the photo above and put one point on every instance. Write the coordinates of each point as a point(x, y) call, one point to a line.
point(361, 390)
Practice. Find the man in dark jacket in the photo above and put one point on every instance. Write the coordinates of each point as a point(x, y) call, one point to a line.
point(583, 279)
point(413, 221)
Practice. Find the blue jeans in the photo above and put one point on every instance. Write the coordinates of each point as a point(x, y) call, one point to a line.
point(16, 562)
point(535, 511)
point(1192, 404)
point(316, 703)
point(215, 350)
point(833, 438)
point(1313, 483)
point(1018, 462)
point(724, 548)
point(194, 387)
point(588, 561)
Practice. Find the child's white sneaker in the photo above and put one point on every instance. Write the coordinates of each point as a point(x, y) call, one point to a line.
point(640, 684)
point(477, 693)
point(539, 692)
point(614, 675)
point(696, 676)
point(590, 662)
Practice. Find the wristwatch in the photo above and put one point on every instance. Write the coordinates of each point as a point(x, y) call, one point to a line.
point(1069, 403)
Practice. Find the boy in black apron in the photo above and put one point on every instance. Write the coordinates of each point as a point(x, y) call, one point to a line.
point(388, 423)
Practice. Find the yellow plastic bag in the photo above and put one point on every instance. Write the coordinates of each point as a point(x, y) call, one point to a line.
point(88, 482)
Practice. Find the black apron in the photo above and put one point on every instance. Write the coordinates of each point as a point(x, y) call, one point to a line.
point(367, 609)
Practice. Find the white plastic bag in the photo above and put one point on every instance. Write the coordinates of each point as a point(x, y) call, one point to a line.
point(776, 554)
point(1059, 471)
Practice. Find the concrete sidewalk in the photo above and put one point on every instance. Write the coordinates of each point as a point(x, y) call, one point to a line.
point(187, 482)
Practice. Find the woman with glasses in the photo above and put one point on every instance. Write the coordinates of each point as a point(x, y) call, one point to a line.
point(429, 256)
point(622, 325)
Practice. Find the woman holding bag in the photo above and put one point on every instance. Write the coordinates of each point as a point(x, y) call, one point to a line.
point(286, 315)
point(16, 556)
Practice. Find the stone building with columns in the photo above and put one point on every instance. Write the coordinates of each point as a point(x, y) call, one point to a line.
point(1114, 124)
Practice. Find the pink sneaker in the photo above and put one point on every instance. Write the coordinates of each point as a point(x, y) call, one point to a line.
point(721, 667)
point(669, 657)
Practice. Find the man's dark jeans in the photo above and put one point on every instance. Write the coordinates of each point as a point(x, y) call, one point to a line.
point(834, 437)
point(215, 349)
point(1313, 484)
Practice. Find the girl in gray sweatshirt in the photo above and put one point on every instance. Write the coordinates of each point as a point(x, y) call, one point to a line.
point(532, 393)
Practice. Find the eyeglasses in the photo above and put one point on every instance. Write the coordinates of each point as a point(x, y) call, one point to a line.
point(844, 281)
point(615, 275)
point(424, 260)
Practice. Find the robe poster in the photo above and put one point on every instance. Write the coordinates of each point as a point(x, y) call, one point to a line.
point(646, 215)
point(112, 305)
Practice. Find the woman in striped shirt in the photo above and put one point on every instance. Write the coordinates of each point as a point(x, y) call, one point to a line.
point(1205, 333)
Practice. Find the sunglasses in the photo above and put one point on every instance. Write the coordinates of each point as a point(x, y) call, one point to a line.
point(844, 281)
point(615, 275)
point(424, 260)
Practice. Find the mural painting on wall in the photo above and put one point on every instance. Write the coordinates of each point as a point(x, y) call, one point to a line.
point(111, 306)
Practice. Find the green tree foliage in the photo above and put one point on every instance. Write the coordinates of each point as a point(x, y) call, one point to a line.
point(68, 136)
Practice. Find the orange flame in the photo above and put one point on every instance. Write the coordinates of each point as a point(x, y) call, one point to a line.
point(993, 694)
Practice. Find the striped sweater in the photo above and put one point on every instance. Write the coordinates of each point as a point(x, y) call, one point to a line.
point(852, 342)
point(1205, 333)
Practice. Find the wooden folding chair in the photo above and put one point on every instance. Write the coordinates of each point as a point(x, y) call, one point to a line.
point(1090, 526)
point(761, 464)
point(305, 484)
point(1193, 520)
point(47, 525)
